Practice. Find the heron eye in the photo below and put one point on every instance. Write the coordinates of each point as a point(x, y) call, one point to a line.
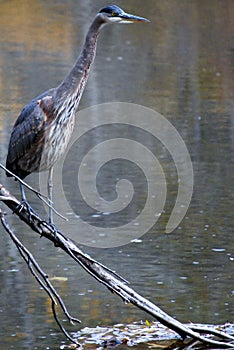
point(114, 14)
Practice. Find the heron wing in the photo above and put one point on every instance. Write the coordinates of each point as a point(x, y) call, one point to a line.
point(26, 139)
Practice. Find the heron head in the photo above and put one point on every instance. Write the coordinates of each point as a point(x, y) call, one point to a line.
point(114, 14)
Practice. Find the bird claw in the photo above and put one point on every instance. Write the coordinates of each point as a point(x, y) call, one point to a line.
point(24, 204)
point(52, 227)
point(55, 231)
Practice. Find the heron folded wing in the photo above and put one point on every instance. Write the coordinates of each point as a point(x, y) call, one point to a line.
point(24, 145)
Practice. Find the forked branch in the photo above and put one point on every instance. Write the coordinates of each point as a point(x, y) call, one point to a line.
point(109, 278)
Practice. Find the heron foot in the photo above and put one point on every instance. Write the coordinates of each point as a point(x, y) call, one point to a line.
point(24, 204)
point(53, 229)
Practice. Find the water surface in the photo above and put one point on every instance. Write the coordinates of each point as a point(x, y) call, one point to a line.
point(180, 65)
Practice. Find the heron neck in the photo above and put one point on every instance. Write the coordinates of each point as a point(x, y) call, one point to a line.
point(69, 92)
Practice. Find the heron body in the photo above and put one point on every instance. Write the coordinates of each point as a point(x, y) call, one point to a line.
point(44, 127)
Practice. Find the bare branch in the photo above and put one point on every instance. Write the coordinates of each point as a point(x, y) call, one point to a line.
point(110, 279)
point(41, 278)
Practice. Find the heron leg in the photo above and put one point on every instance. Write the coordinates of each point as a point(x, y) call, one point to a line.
point(23, 196)
point(24, 202)
point(50, 195)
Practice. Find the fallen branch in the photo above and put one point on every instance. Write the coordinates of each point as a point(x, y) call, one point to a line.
point(109, 278)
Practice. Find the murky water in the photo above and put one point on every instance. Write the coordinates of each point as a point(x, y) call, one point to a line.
point(180, 65)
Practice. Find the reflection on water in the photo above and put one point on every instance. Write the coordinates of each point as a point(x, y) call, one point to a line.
point(181, 65)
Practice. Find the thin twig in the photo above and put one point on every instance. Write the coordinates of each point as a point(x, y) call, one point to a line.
point(37, 272)
point(23, 183)
point(40, 195)
point(209, 330)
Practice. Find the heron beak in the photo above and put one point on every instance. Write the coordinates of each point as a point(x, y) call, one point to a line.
point(128, 18)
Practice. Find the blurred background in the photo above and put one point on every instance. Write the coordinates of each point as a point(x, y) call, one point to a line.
point(180, 65)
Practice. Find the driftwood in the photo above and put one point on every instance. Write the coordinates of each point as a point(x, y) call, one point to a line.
point(115, 283)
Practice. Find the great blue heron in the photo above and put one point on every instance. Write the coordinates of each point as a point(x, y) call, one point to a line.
point(42, 130)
